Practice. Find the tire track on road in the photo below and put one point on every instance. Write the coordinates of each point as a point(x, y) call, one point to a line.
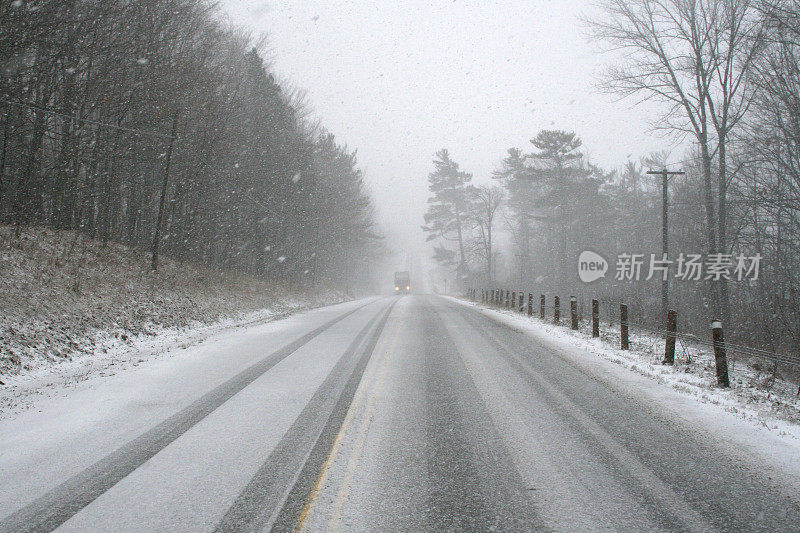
point(65, 500)
point(690, 466)
point(476, 485)
point(719, 481)
point(668, 506)
point(259, 504)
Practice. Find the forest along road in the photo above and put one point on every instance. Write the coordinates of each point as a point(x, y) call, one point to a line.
point(411, 413)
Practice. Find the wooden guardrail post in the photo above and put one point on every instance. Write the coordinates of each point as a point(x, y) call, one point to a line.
point(530, 303)
point(521, 302)
point(573, 312)
point(720, 357)
point(669, 346)
point(513, 300)
point(508, 296)
point(542, 305)
point(623, 327)
point(556, 310)
point(595, 318)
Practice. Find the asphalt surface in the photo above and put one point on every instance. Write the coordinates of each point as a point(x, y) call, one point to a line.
point(408, 413)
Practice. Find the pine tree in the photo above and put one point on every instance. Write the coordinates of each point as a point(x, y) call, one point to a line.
point(449, 208)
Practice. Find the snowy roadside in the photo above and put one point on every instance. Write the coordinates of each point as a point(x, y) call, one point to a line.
point(72, 308)
point(776, 409)
point(114, 353)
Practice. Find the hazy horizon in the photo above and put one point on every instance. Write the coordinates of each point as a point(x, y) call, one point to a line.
point(398, 82)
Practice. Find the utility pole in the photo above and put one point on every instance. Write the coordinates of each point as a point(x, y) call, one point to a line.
point(165, 185)
point(665, 174)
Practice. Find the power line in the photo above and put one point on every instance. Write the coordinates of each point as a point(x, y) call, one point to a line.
point(19, 103)
point(689, 160)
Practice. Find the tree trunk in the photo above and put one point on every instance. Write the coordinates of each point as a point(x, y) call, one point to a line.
point(489, 251)
point(724, 297)
point(711, 233)
point(6, 120)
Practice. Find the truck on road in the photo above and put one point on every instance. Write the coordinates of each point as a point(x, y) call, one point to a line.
point(402, 282)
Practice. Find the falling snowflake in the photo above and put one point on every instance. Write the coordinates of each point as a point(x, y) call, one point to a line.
point(142, 60)
point(268, 247)
point(296, 178)
point(281, 259)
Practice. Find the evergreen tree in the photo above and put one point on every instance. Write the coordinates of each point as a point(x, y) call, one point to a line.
point(449, 208)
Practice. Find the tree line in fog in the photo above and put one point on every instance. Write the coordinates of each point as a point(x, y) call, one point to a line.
point(155, 119)
point(728, 72)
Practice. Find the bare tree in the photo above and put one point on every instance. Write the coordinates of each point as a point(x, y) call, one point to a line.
point(695, 56)
point(487, 201)
point(770, 181)
point(88, 93)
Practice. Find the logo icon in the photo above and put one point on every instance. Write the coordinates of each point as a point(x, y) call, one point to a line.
point(591, 266)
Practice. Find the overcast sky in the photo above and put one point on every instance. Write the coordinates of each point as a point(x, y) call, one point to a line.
point(399, 80)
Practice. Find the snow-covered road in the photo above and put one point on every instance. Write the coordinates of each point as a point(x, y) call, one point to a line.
point(414, 413)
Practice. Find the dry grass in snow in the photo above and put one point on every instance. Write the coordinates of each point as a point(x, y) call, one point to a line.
point(64, 296)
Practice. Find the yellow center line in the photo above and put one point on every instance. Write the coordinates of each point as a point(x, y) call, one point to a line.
point(366, 421)
point(337, 442)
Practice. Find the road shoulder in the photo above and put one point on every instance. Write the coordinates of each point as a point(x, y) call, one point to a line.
point(769, 447)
